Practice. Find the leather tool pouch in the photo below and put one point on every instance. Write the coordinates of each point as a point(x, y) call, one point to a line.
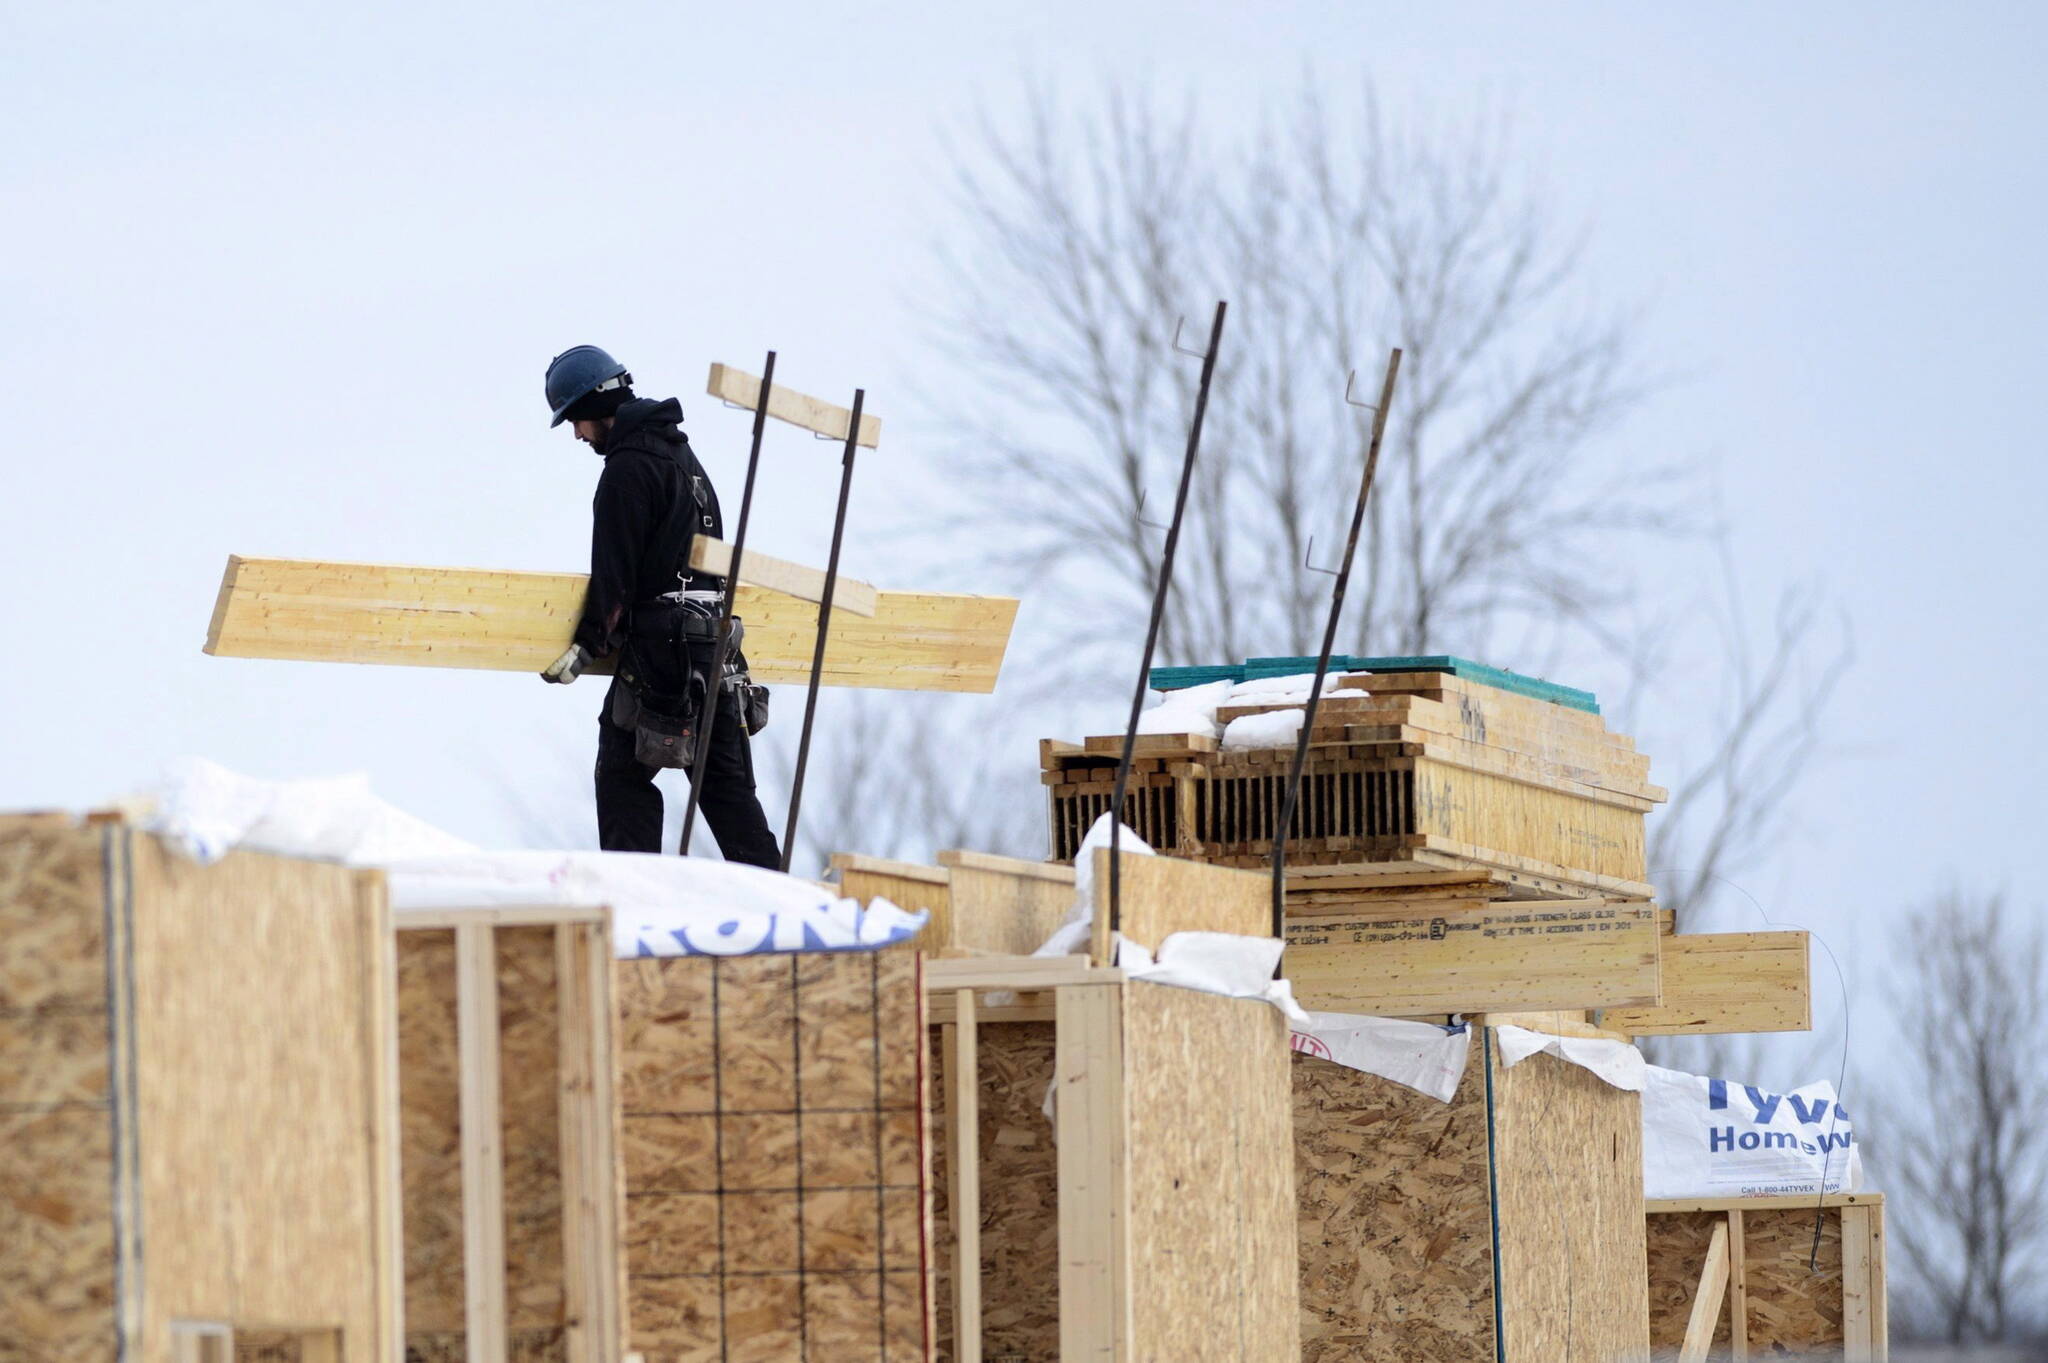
point(663, 724)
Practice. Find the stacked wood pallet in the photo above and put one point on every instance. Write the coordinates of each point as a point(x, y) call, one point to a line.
point(1430, 769)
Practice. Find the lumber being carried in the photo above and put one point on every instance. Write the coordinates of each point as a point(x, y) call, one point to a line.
point(312, 611)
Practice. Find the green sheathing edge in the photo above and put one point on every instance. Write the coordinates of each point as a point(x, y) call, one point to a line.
point(1177, 678)
point(1500, 1336)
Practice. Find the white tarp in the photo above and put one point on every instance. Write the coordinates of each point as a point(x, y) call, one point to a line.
point(1420, 1055)
point(1712, 1138)
point(1617, 1062)
point(661, 905)
point(1224, 963)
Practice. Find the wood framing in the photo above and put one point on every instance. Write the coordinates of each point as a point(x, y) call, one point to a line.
point(504, 1025)
point(979, 904)
point(1165, 1237)
point(1727, 982)
point(520, 622)
point(1498, 1226)
point(786, 404)
point(198, 1109)
point(1785, 1295)
point(1164, 895)
point(1408, 959)
point(708, 555)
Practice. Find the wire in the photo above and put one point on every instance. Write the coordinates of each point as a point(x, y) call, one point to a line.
point(1842, 1070)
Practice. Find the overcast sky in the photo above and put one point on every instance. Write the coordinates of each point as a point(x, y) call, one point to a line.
point(279, 281)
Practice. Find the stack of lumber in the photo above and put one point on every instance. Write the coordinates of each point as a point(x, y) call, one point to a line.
point(1431, 769)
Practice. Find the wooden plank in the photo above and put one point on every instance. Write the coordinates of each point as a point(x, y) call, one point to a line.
point(403, 615)
point(1165, 895)
point(386, 1177)
point(1014, 972)
point(1504, 957)
point(1738, 1291)
point(1674, 1206)
point(1858, 1345)
point(1706, 1303)
point(498, 916)
point(714, 556)
point(588, 1111)
point(483, 1166)
point(1727, 982)
point(787, 404)
point(963, 1191)
point(1093, 1136)
point(1003, 904)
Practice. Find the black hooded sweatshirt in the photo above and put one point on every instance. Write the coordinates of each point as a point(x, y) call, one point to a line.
point(649, 472)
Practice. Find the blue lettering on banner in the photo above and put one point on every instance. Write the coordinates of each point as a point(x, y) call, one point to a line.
point(1749, 1140)
point(1766, 1104)
point(1718, 1138)
point(1810, 1116)
point(1717, 1094)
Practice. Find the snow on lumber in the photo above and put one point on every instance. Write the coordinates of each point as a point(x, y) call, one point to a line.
point(494, 620)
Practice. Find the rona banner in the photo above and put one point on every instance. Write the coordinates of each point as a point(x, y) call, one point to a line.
point(1713, 1138)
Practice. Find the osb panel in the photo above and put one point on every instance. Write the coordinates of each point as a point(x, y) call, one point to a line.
point(429, 1107)
point(261, 1010)
point(430, 1110)
point(1793, 1309)
point(1396, 1240)
point(1210, 1178)
point(52, 917)
point(1020, 1218)
point(50, 1057)
point(56, 1236)
point(774, 1173)
point(1568, 1170)
point(529, 1038)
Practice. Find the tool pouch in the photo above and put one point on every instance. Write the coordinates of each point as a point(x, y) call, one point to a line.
point(752, 700)
point(663, 725)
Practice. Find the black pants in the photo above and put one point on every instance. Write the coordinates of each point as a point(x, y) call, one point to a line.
point(629, 803)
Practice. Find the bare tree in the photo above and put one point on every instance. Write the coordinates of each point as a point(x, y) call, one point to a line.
point(1333, 237)
point(1966, 1129)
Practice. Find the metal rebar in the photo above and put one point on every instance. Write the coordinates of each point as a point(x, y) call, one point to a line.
point(1180, 502)
point(803, 746)
point(700, 764)
point(1315, 692)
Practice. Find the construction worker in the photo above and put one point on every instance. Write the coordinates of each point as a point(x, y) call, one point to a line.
point(660, 618)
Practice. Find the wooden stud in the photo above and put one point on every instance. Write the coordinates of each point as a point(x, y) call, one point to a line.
point(805, 583)
point(483, 1155)
point(1706, 1303)
point(591, 1215)
point(385, 1171)
point(963, 1169)
point(1864, 1327)
point(1738, 1290)
point(1092, 1134)
point(786, 404)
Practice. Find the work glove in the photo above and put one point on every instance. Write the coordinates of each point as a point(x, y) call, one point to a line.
point(568, 667)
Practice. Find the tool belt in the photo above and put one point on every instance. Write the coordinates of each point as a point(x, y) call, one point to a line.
point(663, 672)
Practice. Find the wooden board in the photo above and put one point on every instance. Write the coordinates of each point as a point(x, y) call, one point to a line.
point(520, 622)
point(1413, 960)
point(1794, 1306)
point(1164, 895)
point(775, 1175)
point(1568, 1179)
point(1394, 1230)
point(57, 1239)
point(1213, 1220)
point(713, 556)
point(1727, 982)
point(786, 404)
point(1001, 904)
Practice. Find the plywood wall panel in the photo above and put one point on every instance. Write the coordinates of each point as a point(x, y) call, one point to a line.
point(1212, 1206)
point(1395, 1239)
point(1568, 1170)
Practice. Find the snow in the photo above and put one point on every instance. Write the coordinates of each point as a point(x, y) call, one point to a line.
point(1274, 729)
point(661, 905)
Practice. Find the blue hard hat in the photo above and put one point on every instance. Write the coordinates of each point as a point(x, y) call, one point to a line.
point(579, 371)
